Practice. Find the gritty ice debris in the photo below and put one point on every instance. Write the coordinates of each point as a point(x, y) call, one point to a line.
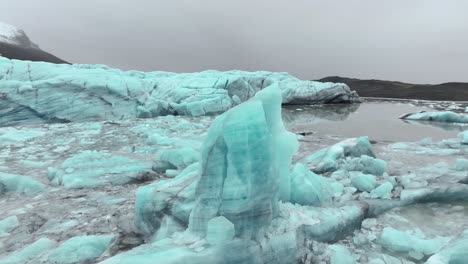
point(69, 93)
point(175, 197)
point(30, 253)
point(80, 249)
point(11, 135)
point(308, 188)
point(366, 164)
point(382, 191)
point(340, 255)
point(456, 251)
point(8, 224)
point(19, 184)
point(176, 158)
point(427, 146)
point(95, 168)
point(330, 159)
point(363, 182)
point(443, 116)
point(220, 230)
point(463, 136)
point(409, 245)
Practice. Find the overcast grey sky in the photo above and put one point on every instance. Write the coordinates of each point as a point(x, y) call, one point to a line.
point(424, 41)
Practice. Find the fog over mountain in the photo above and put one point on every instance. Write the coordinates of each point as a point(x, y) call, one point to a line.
point(422, 41)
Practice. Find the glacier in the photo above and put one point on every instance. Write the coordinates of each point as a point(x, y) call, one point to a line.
point(38, 92)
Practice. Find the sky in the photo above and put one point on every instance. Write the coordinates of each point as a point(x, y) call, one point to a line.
point(419, 41)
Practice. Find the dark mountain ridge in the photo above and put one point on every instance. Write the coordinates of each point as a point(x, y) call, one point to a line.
point(450, 91)
point(12, 51)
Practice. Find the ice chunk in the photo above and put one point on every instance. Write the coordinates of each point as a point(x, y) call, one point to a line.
point(95, 168)
point(19, 184)
point(368, 165)
point(443, 116)
point(340, 255)
point(456, 252)
point(363, 182)
point(80, 249)
point(444, 193)
point(63, 93)
point(176, 158)
point(308, 188)
point(8, 224)
point(382, 191)
point(175, 197)
point(219, 231)
point(328, 159)
point(461, 165)
point(247, 152)
point(30, 252)
point(168, 226)
point(463, 136)
point(405, 243)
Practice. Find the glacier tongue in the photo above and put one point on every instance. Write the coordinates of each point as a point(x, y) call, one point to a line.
point(37, 92)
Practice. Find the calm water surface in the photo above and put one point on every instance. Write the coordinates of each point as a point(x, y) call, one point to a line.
point(377, 119)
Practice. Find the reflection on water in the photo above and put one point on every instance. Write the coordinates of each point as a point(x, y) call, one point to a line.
point(378, 120)
point(442, 125)
point(317, 113)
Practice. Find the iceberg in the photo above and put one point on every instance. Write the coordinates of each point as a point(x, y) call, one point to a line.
point(245, 167)
point(37, 92)
point(443, 116)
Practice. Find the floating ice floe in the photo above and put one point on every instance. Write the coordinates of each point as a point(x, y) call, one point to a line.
point(443, 116)
point(427, 146)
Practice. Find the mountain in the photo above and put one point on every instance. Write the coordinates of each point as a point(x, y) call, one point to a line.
point(15, 44)
point(451, 91)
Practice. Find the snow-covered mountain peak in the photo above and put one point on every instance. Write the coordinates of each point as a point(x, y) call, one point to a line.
point(12, 35)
